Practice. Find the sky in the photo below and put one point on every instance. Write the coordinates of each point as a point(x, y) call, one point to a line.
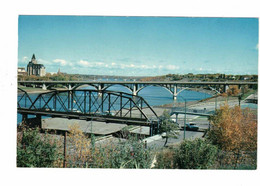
point(139, 46)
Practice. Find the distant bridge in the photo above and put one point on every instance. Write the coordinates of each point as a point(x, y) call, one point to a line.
point(109, 106)
point(136, 86)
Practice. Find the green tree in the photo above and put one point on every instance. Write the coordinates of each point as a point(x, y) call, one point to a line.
point(34, 150)
point(168, 127)
point(196, 154)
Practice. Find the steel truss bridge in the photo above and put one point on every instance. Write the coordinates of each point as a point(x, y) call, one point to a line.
point(174, 87)
point(106, 106)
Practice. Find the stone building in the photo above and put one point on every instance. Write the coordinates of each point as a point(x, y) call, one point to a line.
point(35, 69)
point(21, 71)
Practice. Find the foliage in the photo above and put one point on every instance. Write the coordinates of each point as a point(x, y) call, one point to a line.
point(233, 90)
point(129, 153)
point(167, 126)
point(36, 150)
point(231, 160)
point(234, 130)
point(196, 154)
point(191, 154)
point(85, 152)
point(165, 159)
point(79, 147)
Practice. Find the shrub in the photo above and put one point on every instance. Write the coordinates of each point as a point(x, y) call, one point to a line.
point(36, 150)
point(130, 153)
point(196, 154)
point(165, 159)
point(85, 152)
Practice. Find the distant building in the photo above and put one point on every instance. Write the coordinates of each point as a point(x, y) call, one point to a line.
point(35, 69)
point(21, 71)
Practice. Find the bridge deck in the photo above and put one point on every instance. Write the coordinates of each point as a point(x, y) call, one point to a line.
point(88, 117)
point(143, 82)
point(94, 127)
point(190, 113)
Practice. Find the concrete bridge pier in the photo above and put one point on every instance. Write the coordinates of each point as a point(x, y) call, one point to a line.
point(175, 92)
point(44, 87)
point(135, 88)
point(70, 87)
point(226, 87)
point(100, 88)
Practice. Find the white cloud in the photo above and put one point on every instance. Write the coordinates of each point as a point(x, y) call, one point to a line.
point(99, 64)
point(25, 59)
point(116, 66)
point(84, 63)
point(144, 66)
point(172, 67)
point(160, 67)
point(62, 62)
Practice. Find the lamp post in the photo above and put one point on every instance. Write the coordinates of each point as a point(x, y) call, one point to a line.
point(185, 113)
point(185, 119)
point(216, 102)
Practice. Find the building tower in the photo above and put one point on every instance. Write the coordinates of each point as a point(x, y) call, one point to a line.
point(35, 69)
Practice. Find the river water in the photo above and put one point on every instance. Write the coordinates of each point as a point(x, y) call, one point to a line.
point(152, 94)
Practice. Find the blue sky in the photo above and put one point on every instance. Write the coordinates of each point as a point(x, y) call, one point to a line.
point(145, 46)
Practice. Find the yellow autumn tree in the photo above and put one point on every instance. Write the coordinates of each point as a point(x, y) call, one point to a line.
point(233, 90)
point(78, 147)
point(234, 130)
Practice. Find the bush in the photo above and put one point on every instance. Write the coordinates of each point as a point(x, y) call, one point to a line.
point(34, 150)
point(165, 159)
point(85, 152)
point(129, 153)
point(196, 154)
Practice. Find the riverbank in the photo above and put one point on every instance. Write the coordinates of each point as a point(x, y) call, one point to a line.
point(31, 90)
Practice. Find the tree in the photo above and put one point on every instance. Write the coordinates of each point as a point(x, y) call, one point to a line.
point(169, 127)
point(80, 147)
point(36, 150)
point(234, 130)
point(233, 90)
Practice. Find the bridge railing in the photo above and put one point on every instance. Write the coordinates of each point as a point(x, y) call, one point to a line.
point(188, 110)
point(23, 99)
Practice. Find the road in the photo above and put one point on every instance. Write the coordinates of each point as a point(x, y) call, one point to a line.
point(158, 141)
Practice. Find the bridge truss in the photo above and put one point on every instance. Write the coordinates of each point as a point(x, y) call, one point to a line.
point(107, 106)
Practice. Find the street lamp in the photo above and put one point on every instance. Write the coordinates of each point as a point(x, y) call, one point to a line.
point(216, 102)
point(185, 112)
